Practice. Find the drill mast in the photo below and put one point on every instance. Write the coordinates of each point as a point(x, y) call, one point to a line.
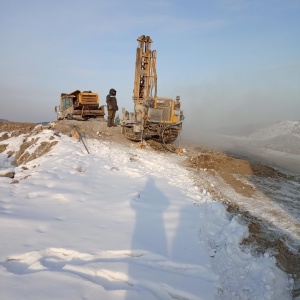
point(145, 82)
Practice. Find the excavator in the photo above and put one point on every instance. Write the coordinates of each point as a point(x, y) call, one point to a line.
point(154, 117)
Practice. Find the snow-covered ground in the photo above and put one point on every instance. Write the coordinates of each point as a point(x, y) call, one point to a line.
point(121, 223)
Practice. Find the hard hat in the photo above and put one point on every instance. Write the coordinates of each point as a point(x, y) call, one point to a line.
point(112, 92)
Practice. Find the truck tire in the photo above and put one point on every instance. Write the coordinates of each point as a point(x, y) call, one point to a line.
point(69, 117)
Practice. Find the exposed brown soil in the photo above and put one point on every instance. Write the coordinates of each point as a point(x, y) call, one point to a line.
point(231, 170)
point(3, 147)
point(15, 128)
point(12, 129)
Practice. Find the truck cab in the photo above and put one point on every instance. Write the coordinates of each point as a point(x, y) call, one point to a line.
point(66, 108)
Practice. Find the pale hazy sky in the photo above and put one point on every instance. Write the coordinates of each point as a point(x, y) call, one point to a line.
point(231, 61)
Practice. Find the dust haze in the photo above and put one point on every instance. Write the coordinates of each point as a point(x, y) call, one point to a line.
point(218, 110)
point(216, 116)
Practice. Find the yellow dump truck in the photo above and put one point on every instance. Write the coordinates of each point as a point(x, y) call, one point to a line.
point(79, 106)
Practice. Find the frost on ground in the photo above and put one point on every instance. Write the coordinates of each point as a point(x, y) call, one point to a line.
point(126, 223)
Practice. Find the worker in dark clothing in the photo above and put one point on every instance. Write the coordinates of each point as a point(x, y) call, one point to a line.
point(112, 107)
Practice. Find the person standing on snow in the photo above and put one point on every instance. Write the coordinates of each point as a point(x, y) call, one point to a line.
point(112, 107)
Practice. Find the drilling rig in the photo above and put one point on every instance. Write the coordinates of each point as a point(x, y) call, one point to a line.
point(154, 117)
